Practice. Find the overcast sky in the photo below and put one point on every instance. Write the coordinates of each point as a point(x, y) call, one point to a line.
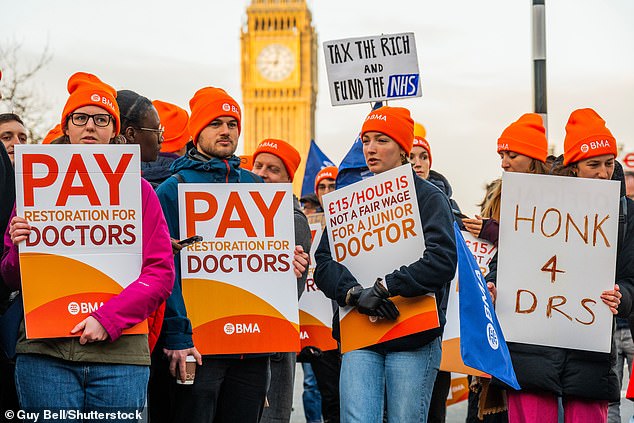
point(474, 58)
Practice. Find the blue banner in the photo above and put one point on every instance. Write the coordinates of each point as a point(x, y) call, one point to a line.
point(315, 161)
point(482, 343)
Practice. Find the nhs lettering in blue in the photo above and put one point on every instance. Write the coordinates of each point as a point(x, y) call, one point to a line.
point(402, 85)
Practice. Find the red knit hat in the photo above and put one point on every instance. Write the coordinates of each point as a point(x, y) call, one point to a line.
point(208, 104)
point(86, 89)
point(587, 136)
point(53, 134)
point(329, 172)
point(422, 142)
point(246, 162)
point(395, 122)
point(175, 121)
point(286, 152)
point(526, 136)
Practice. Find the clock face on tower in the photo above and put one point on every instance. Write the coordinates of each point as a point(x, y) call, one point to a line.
point(275, 62)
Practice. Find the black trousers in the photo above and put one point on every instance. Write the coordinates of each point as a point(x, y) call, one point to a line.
point(438, 405)
point(8, 395)
point(327, 369)
point(225, 390)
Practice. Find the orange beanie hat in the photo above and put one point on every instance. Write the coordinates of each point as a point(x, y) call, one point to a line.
point(422, 142)
point(208, 104)
point(86, 89)
point(246, 162)
point(175, 121)
point(395, 122)
point(587, 136)
point(526, 136)
point(53, 134)
point(286, 152)
point(329, 172)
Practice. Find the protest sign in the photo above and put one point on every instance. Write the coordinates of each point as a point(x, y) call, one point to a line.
point(458, 389)
point(84, 207)
point(374, 228)
point(315, 309)
point(557, 254)
point(239, 286)
point(370, 69)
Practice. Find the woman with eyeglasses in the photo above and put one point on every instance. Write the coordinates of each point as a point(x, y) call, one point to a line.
point(97, 369)
point(140, 124)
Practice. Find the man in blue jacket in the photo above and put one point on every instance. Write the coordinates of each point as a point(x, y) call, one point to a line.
point(226, 387)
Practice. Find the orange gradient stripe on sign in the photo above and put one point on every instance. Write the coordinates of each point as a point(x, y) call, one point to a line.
point(227, 319)
point(418, 314)
point(451, 360)
point(54, 302)
point(459, 390)
point(314, 333)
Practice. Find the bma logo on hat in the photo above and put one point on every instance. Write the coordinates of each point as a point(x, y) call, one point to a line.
point(377, 117)
point(226, 107)
point(269, 144)
point(96, 98)
point(584, 148)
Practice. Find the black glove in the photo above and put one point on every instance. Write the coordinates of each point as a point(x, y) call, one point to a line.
point(375, 301)
point(308, 354)
point(352, 296)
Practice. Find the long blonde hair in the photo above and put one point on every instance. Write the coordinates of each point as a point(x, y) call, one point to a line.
point(490, 205)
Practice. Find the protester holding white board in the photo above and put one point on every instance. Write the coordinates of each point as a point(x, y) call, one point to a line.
point(584, 379)
point(402, 370)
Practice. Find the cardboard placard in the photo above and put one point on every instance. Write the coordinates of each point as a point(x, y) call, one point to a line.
point(370, 69)
point(239, 285)
point(378, 218)
point(84, 207)
point(557, 254)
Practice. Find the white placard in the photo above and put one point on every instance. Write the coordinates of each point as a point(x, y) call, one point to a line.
point(83, 203)
point(375, 68)
point(374, 228)
point(239, 286)
point(557, 254)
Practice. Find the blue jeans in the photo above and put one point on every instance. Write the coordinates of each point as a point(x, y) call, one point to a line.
point(311, 397)
point(405, 378)
point(47, 384)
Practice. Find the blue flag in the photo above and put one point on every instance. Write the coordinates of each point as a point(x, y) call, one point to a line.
point(482, 343)
point(315, 161)
point(353, 168)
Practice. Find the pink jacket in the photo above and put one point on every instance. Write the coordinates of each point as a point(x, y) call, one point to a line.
point(143, 296)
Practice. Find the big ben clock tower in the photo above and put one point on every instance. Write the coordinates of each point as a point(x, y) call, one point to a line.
point(279, 75)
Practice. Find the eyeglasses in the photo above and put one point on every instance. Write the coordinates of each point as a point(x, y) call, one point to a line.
point(81, 119)
point(158, 132)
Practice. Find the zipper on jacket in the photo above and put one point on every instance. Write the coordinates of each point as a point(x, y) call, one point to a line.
point(228, 170)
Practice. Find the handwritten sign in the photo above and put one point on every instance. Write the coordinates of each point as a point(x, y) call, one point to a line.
point(378, 218)
point(369, 69)
point(239, 287)
point(84, 207)
point(315, 309)
point(557, 253)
